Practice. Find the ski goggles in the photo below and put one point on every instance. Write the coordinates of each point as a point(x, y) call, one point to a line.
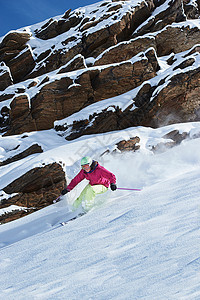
point(85, 166)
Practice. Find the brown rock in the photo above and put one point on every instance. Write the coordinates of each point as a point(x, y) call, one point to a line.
point(178, 101)
point(125, 51)
point(36, 189)
point(61, 98)
point(4, 119)
point(166, 40)
point(198, 4)
point(14, 215)
point(90, 44)
point(55, 59)
point(53, 27)
point(126, 145)
point(20, 117)
point(143, 95)
point(48, 31)
point(66, 14)
point(5, 111)
point(86, 25)
point(174, 13)
point(193, 50)
point(5, 96)
point(129, 145)
point(5, 78)
point(32, 84)
point(95, 43)
point(6, 54)
point(152, 58)
point(49, 104)
point(121, 78)
point(15, 40)
point(17, 56)
point(186, 63)
point(19, 106)
point(21, 65)
point(76, 63)
point(93, 86)
point(104, 122)
point(191, 10)
point(35, 148)
point(176, 136)
point(37, 179)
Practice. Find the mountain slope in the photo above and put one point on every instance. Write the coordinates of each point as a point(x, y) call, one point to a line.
point(99, 52)
point(81, 84)
point(138, 245)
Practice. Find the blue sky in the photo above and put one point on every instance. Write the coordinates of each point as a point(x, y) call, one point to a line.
point(15, 14)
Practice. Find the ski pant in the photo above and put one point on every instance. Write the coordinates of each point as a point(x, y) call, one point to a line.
point(87, 196)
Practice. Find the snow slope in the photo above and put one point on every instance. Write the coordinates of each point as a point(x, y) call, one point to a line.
point(131, 245)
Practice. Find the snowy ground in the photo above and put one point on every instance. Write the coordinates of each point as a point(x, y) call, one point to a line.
point(132, 245)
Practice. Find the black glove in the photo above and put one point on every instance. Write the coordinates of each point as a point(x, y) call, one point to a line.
point(65, 191)
point(113, 186)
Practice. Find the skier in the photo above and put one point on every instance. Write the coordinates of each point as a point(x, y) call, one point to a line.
point(99, 181)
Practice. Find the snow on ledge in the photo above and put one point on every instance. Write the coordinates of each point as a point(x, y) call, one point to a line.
point(11, 208)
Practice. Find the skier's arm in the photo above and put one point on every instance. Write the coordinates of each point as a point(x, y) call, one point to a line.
point(78, 178)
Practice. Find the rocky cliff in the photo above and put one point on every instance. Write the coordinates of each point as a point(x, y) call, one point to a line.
point(107, 66)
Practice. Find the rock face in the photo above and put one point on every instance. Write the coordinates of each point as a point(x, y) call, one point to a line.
point(137, 62)
point(21, 65)
point(29, 151)
point(20, 114)
point(17, 55)
point(187, 37)
point(5, 77)
point(36, 179)
point(115, 52)
point(125, 50)
point(58, 99)
point(178, 102)
point(35, 189)
point(173, 13)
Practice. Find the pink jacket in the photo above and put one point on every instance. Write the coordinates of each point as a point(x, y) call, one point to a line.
point(99, 175)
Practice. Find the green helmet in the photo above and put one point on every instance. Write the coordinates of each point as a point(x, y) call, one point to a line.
point(86, 160)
